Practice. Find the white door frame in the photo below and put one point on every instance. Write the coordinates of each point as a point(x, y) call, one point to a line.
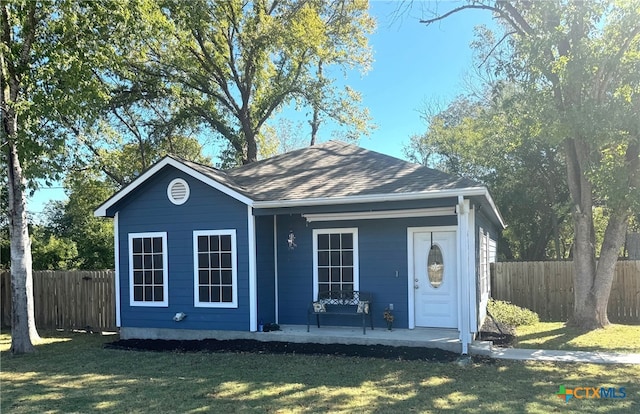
point(410, 263)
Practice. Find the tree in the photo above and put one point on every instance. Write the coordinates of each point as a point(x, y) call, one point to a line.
point(580, 62)
point(51, 252)
point(233, 64)
point(49, 54)
point(488, 139)
point(94, 180)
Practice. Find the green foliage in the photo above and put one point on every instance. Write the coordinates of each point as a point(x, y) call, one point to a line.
point(493, 140)
point(50, 252)
point(230, 66)
point(73, 220)
point(510, 314)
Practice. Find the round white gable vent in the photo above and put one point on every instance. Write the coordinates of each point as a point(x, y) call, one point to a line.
point(178, 191)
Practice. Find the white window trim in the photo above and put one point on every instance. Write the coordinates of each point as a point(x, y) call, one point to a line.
point(234, 270)
point(187, 193)
point(356, 259)
point(165, 268)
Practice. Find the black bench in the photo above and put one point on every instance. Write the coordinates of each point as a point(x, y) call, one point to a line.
point(342, 302)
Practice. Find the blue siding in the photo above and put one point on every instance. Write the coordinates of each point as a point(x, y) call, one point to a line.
point(382, 251)
point(265, 263)
point(149, 210)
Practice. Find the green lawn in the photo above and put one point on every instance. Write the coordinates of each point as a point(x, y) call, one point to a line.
point(555, 335)
point(73, 373)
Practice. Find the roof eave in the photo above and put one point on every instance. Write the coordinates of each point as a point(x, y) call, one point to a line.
point(372, 198)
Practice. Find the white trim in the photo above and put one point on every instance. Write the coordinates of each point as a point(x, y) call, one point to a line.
point(101, 211)
point(356, 259)
point(410, 265)
point(165, 269)
point(384, 214)
point(473, 289)
point(178, 202)
point(275, 267)
point(116, 244)
point(253, 279)
point(373, 198)
point(417, 195)
point(234, 269)
point(463, 273)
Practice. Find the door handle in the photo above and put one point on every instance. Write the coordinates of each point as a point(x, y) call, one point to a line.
point(416, 287)
point(416, 280)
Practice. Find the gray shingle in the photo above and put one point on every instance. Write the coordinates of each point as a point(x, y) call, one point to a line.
point(336, 169)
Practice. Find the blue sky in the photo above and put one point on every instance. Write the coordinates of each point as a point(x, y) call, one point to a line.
point(413, 64)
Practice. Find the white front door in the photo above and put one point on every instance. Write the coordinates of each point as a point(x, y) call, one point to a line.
point(434, 279)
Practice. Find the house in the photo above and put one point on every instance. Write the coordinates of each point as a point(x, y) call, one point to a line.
point(228, 249)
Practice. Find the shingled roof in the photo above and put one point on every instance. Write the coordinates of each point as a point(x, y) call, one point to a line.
point(332, 170)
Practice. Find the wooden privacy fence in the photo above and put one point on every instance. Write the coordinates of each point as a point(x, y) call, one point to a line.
point(547, 288)
point(68, 299)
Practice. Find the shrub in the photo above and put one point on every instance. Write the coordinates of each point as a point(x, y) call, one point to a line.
point(510, 314)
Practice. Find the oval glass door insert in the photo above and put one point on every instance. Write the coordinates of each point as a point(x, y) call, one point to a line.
point(435, 266)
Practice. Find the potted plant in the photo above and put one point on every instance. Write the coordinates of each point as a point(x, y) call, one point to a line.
point(388, 316)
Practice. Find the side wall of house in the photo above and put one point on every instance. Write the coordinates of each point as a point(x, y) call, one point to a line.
point(486, 234)
point(148, 209)
point(382, 249)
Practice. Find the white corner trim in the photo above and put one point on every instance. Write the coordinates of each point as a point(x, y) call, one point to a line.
point(463, 273)
point(101, 211)
point(116, 244)
point(275, 266)
point(253, 281)
point(383, 214)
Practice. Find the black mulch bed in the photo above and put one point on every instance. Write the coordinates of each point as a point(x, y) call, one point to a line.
point(259, 347)
point(500, 334)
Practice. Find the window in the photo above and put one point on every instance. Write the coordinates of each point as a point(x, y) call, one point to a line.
point(335, 260)
point(148, 269)
point(435, 266)
point(215, 268)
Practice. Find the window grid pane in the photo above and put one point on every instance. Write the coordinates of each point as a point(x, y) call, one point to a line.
point(335, 261)
point(148, 269)
point(214, 259)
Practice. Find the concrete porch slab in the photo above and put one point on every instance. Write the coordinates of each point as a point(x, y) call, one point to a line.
point(445, 339)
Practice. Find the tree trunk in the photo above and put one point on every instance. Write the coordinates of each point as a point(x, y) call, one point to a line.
point(23, 325)
point(315, 126)
point(585, 314)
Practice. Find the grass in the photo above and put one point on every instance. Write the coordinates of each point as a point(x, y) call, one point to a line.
point(555, 335)
point(74, 373)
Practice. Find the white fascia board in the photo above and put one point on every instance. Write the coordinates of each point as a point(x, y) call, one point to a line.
point(101, 211)
point(376, 198)
point(373, 198)
point(384, 214)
